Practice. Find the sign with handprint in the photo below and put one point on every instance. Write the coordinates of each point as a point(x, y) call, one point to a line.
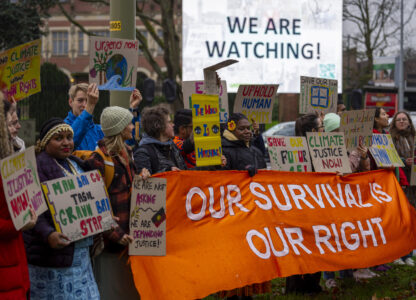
point(113, 63)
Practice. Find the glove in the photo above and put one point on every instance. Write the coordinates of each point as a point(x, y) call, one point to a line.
point(251, 170)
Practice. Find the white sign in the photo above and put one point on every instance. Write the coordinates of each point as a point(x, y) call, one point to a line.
point(274, 41)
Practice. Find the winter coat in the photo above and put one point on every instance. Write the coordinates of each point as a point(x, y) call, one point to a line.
point(14, 273)
point(38, 251)
point(157, 156)
point(86, 133)
point(239, 155)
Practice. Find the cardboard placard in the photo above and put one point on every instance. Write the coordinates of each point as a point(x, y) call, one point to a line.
point(289, 153)
point(206, 127)
point(210, 76)
point(113, 63)
point(328, 152)
point(357, 126)
point(20, 70)
point(413, 167)
point(79, 205)
point(148, 217)
point(384, 152)
point(256, 101)
point(197, 87)
point(318, 94)
point(22, 187)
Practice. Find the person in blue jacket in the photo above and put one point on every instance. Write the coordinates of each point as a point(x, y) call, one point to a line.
point(82, 99)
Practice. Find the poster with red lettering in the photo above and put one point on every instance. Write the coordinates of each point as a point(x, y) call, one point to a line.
point(256, 101)
point(113, 63)
point(21, 186)
point(148, 217)
point(79, 205)
point(328, 152)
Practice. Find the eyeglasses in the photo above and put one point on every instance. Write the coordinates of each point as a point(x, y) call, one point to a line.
point(402, 120)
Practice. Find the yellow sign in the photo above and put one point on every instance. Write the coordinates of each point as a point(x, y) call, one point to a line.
point(115, 25)
point(206, 125)
point(20, 70)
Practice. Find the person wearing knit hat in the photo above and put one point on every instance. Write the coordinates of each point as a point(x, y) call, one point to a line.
point(114, 119)
point(331, 122)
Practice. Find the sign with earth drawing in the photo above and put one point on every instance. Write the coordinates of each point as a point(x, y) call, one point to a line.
point(113, 63)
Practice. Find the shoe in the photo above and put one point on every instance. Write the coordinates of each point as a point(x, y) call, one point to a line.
point(399, 261)
point(363, 274)
point(410, 262)
point(330, 284)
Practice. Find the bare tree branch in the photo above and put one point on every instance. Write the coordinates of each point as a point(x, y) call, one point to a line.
point(72, 20)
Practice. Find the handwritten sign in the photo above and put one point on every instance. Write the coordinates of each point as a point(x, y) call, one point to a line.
point(22, 186)
point(20, 70)
point(211, 77)
point(384, 152)
point(328, 152)
point(357, 126)
point(197, 87)
point(79, 205)
point(413, 167)
point(256, 102)
point(113, 63)
point(148, 217)
point(206, 126)
point(318, 94)
point(289, 153)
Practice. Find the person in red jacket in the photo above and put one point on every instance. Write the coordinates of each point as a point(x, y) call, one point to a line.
point(14, 282)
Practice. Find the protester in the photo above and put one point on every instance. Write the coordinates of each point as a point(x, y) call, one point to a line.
point(242, 155)
point(58, 268)
point(157, 152)
point(306, 283)
point(403, 134)
point(183, 138)
point(113, 275)
point(13, 125)
point(14, 283)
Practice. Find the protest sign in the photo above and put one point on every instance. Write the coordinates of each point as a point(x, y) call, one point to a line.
point(197, 87)
point(384, 152)
point(211, 77)
point(328, 152)
point(21, 186)
point(79, 204)
point(413, 167)
point(289, 153)
point(274, 222)
point(357, 126)
point(148, 217)
point(318, 95)
point(256, 102)
point(20, 70)
point(206, 127)
point(113, 63)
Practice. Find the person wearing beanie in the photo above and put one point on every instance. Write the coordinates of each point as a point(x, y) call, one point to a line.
point(183, 138)
point(53, 259)
point(112, 272)
point(332, 122)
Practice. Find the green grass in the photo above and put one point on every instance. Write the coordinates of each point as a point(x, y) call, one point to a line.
point(397, 283)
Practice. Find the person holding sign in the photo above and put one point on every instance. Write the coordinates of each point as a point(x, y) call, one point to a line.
point(64, 268)
point(114, 277)
point(13, 263)
point(183, 136)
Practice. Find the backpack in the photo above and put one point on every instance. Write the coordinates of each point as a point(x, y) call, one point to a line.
point(108, 163)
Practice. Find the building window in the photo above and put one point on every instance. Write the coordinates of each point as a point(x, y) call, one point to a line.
point(60, 43)
point(160, 49)
point(144, 33)
point(81, 43)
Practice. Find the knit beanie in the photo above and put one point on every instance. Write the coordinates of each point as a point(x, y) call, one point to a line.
point(331, 122)
point(48, 129)
point(114, 119)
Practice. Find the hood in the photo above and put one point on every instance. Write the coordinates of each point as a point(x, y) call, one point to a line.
point(151, 140)
point(231, 140)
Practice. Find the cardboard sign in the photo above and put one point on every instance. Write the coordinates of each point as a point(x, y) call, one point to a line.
point(197, 87)
point(384, 152)
point(148, 217)
point(79, 205)
point(413, 167)
point(328, 152)
point(357, 126)
point(210, 76)
point(275, 224)
point(289, 153)
point(318, 94)
point(256, 102)
point(21, 186)
point(113, 63)
point(206, 126)
point(20, 70)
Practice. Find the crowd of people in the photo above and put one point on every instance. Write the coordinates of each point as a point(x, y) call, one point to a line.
point(39, 262)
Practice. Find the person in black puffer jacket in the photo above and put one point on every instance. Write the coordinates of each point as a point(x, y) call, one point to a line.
point(157, 152)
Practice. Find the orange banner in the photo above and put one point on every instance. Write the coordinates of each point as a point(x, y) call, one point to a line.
point(226, 229)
